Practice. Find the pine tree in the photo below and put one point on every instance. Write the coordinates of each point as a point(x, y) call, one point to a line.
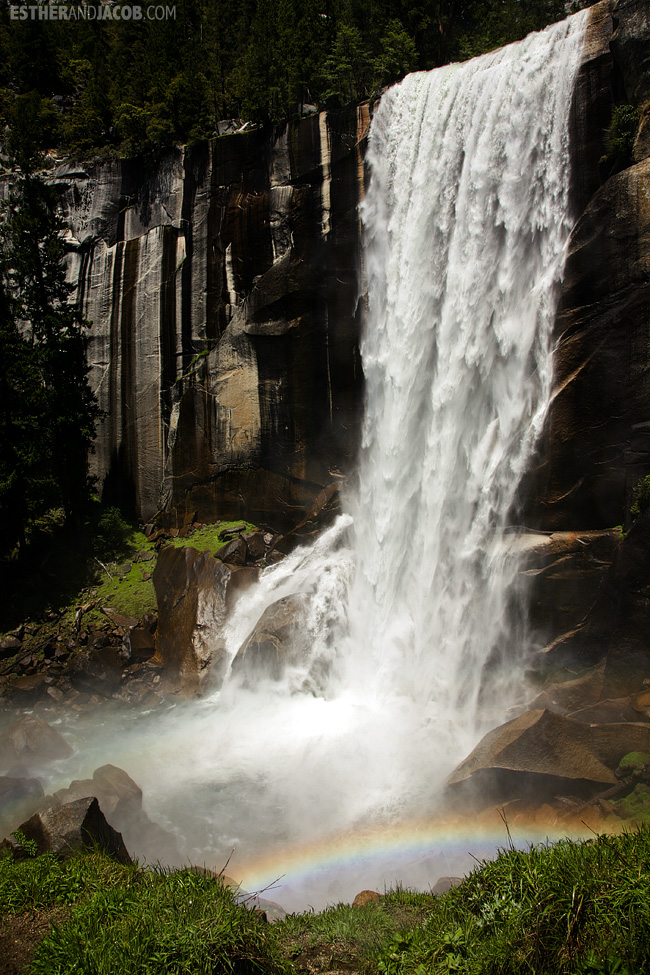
point(47, 409)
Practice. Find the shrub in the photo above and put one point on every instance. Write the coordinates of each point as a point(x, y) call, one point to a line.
point(622, 131)
point(111, 536)
point(640, 497)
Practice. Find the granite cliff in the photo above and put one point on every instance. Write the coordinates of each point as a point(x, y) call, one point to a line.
point(222, 288)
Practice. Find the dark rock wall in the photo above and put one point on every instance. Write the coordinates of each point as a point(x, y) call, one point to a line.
point(596, 445)
point(222, 287)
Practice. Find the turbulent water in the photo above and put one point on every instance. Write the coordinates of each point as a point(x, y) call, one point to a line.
point(411, 639)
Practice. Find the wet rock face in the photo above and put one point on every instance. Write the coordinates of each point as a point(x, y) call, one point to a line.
point(596, 445)
point(277, 641)
point(243, 252)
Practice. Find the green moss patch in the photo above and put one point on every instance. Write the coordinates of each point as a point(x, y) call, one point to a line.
point(636, 805)
point(634, 762)
point(206, 538)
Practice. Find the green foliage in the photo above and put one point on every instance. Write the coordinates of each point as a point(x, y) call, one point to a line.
point(622, 131)
point(640, 497)
point(47, 409)
point(129, 594)
point(134, 88)
point(359, 934)
point(348, 71)
point(634, 762)
point(636, 805)
point(43, 881)
point(561, 908)
point(125, 920)
point(206, 539)
point(142, 130)
point(111, 536)
point(484, 24)
point(30, 847)
point(575, 908)
point(398, 54)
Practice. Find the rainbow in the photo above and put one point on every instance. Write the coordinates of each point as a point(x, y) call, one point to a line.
point(424, 842)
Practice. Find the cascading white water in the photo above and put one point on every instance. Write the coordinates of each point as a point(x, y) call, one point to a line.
point(466, 223)
point(407, 617)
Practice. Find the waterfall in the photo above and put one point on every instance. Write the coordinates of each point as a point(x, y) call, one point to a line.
point(466, 224)
point(410, 641)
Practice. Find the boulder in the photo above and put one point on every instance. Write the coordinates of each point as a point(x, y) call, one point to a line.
point(194, 594)
point(277, 640)
point(366, 897)
point(256, 543)
point(25, 691)
point(120, 798)
point(540, 754)
point(443, 884)
point(235, 552)
point(32, 741)
point(142, 639)
point(18, 789)
point(64, 830)
point(118, 795)
point(9, 647)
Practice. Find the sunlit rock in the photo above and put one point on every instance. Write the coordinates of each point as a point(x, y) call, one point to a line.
point(541, 754)
point(64, 830)
point(194, 592)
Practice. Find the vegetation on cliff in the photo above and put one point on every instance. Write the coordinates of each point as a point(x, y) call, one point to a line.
point(47, 409)
point(579, 908)
point(133, 87)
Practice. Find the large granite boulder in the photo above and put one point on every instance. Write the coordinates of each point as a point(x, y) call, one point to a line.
point(277, 641)
point(64, 830)
point(31, 742)
point(120, 799)
point(194, 592)
point(541, 754)
point(118, 795)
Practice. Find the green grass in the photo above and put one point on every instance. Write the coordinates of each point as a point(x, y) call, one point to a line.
point(563, 908)
point(571, 908)
point(355, 935)
point(126, 920)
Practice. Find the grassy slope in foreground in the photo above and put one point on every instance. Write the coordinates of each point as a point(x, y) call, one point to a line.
point(570, 907)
